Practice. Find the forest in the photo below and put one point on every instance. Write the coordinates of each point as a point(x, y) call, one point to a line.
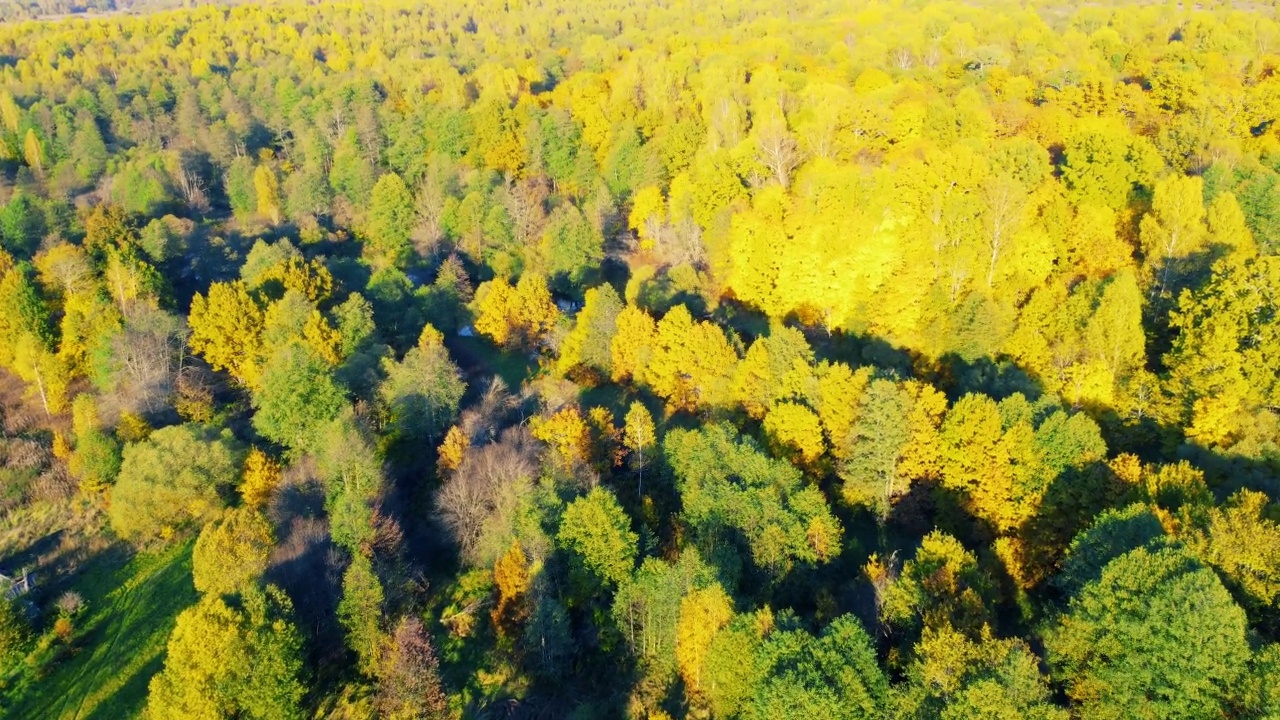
point(638, 359)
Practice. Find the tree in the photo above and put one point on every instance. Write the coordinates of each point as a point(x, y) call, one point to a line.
point(232, 552)
point(391, 220)
point(795, 429)
point(1156, 634)
point(409, 677)
point(726, 483)
point(519, 316)
point(1243, 544)
point(173, 480)
point(1174, 228)
point(955, 677)
point(588, 345)
point(571, 247)
point(14, 630)
point(703, 612)
point(266, 187)
point(360, 612)
point(232, 657)
point(567, 433)
point(511, 576)
point(260, 479)
point(639, 437)
point(297, 398)
point(875, 445)
point(632, 345)
point(596, 531)
point(422, 391)
point(940, 588)
point(226, 328)
point(834, 675)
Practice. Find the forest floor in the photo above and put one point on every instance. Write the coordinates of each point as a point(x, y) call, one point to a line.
point(131, 603)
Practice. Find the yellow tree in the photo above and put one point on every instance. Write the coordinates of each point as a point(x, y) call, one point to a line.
point(260, 479)
point(454, 448)
point(638, 436)
point(226, 328)
point(567, 434)
point(632, 345)
point(796, 429)
point(232, 552)
point(266, 187)
point(703, 613)
point(511, 576)
point(1174, 228)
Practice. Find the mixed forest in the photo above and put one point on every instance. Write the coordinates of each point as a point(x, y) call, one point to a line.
point(640, 359)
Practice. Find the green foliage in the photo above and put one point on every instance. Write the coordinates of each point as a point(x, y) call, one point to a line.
point(1158, 634)
point(834, 675)
point(297, 399)
point(1113, 533)
point(596, 531)
point(588, 344)
point(360, 612)
point(14, 630)
point(22, 225)
point(390, 219)
point(726, 483)
point(572, 247)
point(174, 480)
point(956, 678)
point(232, 657)
point(422, 392)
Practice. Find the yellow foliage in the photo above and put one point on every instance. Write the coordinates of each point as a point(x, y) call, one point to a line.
point(323, 338)
point(632, 344)
point(796, 428)
point(522, 315)
point(260, 479)
point(703, 612)
point(132, 428)
point(226, 328)
point(453, 449)
point(511, 577)
point(567, 434)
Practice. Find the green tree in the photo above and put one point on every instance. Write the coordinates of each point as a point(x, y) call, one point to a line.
point(955, 678)
point(422, 392)
point(360, 612)
point(391, 220)
point(237, 656)
point(572, 248)
point(596, 531)
point(173, 480)
point(14, 630)
point(834, 675)
point(1156, 636)
point(297, 399)
point(727, 484)
point(588, 345)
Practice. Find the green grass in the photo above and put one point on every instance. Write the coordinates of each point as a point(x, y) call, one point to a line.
point(120, 640)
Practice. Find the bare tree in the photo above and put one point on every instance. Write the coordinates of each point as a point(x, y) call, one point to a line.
point(147, 357)
point(779, 152)
point(409, 676)
point(525, 200)
point(187, 170)
point(1006, 201)
point(488, 483)
point(429, 216)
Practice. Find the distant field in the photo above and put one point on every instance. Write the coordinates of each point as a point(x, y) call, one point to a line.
point(120, 641)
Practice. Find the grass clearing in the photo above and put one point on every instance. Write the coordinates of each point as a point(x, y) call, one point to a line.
point(132, 603)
